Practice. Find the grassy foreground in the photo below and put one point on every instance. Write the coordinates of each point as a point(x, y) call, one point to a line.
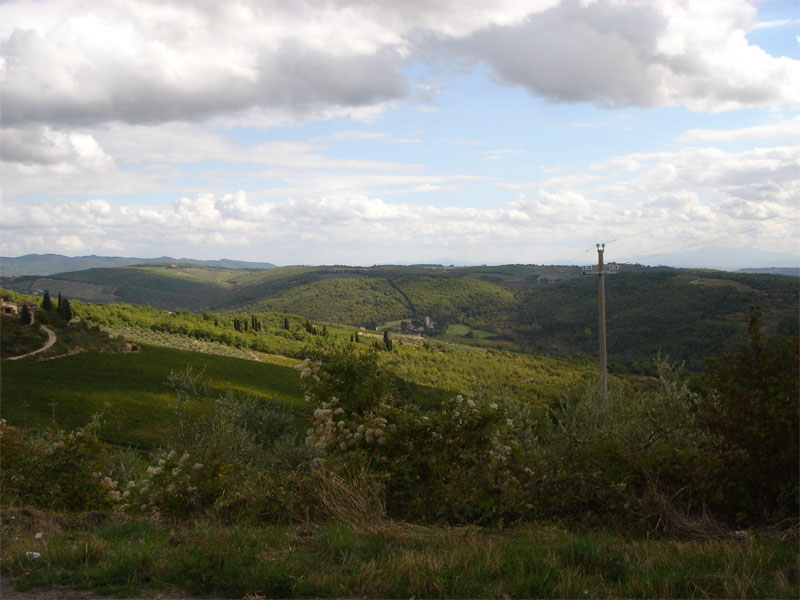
point(125, 556)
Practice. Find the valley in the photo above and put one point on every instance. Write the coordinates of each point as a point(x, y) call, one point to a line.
point(683, 313)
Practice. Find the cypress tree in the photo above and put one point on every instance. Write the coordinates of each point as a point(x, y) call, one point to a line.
point(58, 308)
point(25, 316)
point(66, 310)
point(286, 323)
point(47, 303)
point(387, 341)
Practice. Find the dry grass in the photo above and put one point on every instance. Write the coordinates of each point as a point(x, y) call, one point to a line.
point(352, 498)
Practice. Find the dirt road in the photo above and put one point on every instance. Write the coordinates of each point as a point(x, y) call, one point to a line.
point(51, 339)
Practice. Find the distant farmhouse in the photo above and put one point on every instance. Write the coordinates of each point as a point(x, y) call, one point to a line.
point(12, 308)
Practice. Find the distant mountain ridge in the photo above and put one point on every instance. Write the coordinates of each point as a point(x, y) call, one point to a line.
point(48, 264)
point(790, 271)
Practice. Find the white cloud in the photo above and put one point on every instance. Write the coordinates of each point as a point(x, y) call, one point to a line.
point(146, 62)
point(69, 243)
point(81, 63)
point(41, 149)
point(693, 53)
point(776, 23)
point(786, 128)
point(678, 193)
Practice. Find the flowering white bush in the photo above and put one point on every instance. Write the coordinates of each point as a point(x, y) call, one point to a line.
point(174, 485)
point(335, 430)
point(54, 469)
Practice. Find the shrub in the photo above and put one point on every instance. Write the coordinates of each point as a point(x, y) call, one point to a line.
point(749, 403)
point(56, 469)
point(455, 464)
point(234, 427)
point(174, 485)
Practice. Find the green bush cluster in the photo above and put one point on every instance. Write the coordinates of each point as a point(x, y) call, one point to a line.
point(686, 455)
point(54, 469)
point(727, 445)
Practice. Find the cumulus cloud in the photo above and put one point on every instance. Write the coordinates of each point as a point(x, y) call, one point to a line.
point(217, 221)
point(683, 194)
point(39, 149)
point(153, 62)
point(757, 175)
point(639, 53)
point(74, 63)
point(69, 243)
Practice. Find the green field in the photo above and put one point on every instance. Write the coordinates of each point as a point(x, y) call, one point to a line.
point(463, 330)
point(129, 388)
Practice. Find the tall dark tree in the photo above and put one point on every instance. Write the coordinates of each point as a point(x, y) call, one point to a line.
point(286, 323)
point(387, 341)
point(25, 316)
point(58, 307)
point(47, 303)
point(749, 401)
point(66, 310)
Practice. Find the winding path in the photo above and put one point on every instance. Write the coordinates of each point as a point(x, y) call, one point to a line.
point(51, 339)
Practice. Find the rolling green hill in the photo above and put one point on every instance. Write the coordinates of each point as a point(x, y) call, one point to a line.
point(541, 309)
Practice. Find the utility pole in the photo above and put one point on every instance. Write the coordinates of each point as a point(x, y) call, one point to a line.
point(601, 270)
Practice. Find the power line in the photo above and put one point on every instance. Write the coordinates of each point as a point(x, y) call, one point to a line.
point(578, 256)
point(758, 224)
point(694, 241)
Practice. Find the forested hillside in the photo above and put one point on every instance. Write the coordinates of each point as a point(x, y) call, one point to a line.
point(684, 313)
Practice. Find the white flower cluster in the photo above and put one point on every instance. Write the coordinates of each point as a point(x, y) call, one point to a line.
point(309, 368)
point(464, 414)
point(111, 488)
point(171, 480)
point(335, 430)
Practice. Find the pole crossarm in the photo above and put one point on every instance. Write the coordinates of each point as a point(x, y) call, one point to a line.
point(610, 269)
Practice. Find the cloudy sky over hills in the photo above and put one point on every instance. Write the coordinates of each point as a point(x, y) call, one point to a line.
point(417, 131)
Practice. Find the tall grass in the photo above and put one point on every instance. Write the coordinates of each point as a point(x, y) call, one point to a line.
point(124, 556)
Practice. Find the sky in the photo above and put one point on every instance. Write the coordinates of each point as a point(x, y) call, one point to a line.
point(421, 131)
